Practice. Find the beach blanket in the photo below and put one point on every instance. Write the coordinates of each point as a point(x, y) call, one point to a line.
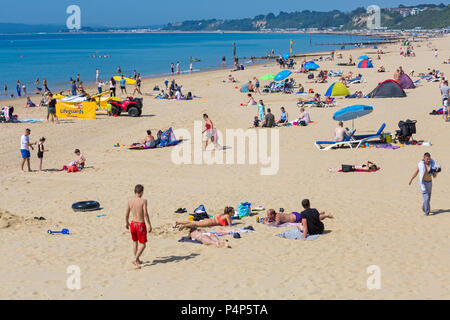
point(359, 170)
point(296, 234)
point(387, 146)
point(187, 239)
point(29, 121)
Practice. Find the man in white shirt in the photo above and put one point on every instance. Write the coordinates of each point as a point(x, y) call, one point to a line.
point(25, 148)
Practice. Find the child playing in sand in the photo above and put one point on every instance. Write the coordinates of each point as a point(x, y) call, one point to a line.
point(138, 208)
point(40, 153)
point(256, 122)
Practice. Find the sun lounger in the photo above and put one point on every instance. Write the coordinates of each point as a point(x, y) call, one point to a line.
point(353, 141)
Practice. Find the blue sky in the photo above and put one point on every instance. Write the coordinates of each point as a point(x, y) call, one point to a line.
point(151, 12)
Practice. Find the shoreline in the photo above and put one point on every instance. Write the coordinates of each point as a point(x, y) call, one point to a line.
point(91, 85)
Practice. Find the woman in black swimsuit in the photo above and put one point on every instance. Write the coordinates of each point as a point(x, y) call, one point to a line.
point(40, 153)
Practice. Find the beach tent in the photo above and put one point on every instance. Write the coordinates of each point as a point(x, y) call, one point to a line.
point(311, 65)
point(363, 57)
point(244, 88)
point(365, 64)
point(387, 89)
point(406, 82)
point(337, 89)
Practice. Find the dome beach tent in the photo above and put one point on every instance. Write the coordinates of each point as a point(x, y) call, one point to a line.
point(406, 82)
point(337, 89)
point(365, 64)
point(387, 89)
point(311, 65)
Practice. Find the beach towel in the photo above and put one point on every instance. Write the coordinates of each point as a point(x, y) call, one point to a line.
point(296, 234)
point(387, 146)
point(29, 121)
point(359, 170)
point(187, 239)
point(223, 232)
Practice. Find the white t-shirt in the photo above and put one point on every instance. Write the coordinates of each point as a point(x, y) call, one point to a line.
point(24, 140)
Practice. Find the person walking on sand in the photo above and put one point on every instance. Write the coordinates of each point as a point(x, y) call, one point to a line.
point(178, 67)
point(137, 85)
point(427, 170)
point(209, 130)
point(138, 229)
point(25, 146)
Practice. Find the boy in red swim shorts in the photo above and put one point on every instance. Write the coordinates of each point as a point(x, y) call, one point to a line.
point(138, 229)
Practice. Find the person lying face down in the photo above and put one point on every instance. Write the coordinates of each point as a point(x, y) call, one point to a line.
point(280, 218)
point(207, 238)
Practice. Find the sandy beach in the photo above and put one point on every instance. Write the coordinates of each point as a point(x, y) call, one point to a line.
point(378, 218)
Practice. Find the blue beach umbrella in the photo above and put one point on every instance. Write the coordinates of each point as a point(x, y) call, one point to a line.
point(286, 55)
point(311, 65)
point(352, 113)
point(363, 57)
point(282, 75)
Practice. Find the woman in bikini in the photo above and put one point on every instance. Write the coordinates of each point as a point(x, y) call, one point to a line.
point(209, 131)
point(368, 166)
point(207, 238)
point(222, 220)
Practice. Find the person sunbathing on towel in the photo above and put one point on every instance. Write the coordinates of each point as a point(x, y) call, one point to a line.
point(207, 238)
point(276, 219)
point(369, 166)
point(221, 220)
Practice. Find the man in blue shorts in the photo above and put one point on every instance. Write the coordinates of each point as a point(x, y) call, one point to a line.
point(25, 146)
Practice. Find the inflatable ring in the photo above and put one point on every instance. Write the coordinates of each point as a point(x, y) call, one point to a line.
point(85, 206)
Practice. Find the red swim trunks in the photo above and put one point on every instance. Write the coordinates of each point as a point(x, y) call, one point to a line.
point(138, 231)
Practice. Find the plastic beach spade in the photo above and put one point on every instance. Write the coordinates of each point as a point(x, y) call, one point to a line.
point(63, 231)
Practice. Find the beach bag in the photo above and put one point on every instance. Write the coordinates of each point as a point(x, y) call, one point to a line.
point(244, 209)
point(311, 76)
point(200, 209)
point(347, 168)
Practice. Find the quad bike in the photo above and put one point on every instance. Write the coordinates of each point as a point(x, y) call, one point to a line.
point(133, 106)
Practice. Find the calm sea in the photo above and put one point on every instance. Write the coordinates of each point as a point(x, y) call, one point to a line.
point(57, 57)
